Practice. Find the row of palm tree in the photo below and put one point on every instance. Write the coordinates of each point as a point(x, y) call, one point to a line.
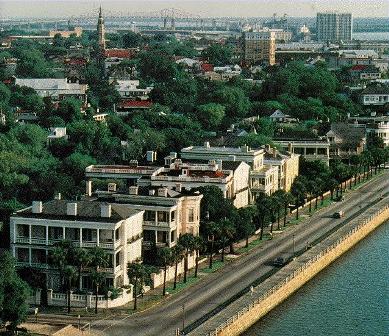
point(71, 262)
point(186, 245)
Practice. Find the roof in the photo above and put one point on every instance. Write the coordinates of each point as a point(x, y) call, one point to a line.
point(50, 84)
point(128, 104)
point(365, 68)
point(120, 53)
point(206, 67)
point(350, 135)
point(86, 210)
point(376, 89)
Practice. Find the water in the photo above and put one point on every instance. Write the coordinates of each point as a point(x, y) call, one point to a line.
point(371, 36)
point(349, 298)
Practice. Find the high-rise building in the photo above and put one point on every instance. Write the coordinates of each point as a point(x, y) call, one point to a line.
point(259, 47)
point(334, 27)
point(101, 32)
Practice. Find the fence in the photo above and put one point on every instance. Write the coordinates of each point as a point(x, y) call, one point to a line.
point(362, 224)
point(89, 300)
point(157, 278)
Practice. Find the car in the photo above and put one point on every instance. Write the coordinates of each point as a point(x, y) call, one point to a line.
point(338, 214)
point(279, 261)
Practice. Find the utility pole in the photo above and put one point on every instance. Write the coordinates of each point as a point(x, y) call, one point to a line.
point(183, 319)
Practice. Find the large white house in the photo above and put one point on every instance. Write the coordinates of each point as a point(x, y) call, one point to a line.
point(56, 88)
point(113, 227)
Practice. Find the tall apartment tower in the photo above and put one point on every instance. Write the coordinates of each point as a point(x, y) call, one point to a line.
point(101, 31)
point(334, 27)
point(259, 47)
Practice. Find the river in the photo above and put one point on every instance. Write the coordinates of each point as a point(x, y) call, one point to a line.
point(349, 298)
point(371, 36)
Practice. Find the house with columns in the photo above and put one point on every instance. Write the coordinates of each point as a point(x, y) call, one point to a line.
point(113, 227)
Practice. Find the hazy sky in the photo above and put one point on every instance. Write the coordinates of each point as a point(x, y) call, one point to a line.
point(253, 8)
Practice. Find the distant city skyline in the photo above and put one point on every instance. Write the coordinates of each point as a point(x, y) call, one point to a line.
point(205, 8)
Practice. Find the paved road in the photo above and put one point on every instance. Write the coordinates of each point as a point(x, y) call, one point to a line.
point(238, 275)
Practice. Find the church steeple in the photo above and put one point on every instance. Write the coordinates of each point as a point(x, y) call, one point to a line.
point(101, 31)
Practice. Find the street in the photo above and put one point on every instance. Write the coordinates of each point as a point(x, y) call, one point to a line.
point(189, 306)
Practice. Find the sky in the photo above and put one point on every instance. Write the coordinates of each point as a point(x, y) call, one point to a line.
point(205, 8)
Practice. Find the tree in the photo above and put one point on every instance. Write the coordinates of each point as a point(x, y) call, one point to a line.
point(299, 190)
point(70, 274)
point(69, 110)
point(131, 40)
point(210, 115)
point(234, 99)
point(187, 242)
point(198, 244)
point(226, 232)
point(218, 55)
point(81, 259)
point(263, 204)
point(98, 279)
point(13, 293)
point(245, 225)
point(136, 273)
point(58, 257)
point(177, 255)
point(165, 256)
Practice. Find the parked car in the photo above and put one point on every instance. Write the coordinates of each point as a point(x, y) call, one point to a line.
point(338, 214)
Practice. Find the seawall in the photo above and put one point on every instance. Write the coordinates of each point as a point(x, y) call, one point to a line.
point(247, 310)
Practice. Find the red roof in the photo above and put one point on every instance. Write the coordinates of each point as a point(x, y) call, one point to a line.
point(358, 67)
point(120, 53)
point(7, 81)
point(128, 104)
point(206, 67)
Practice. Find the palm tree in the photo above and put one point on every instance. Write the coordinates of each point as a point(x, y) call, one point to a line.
point(278, 203)
point(136, 274)
point(58, 258)
point(331, 184)
point(177, 255)
point(70, 274)
point(226, 232)
point(299, 191)
point(81, 258)
point(98, 279)
point(286, 199)
point(98, 257)
point(263, 204)
point(198, 244)
point(165, 256)
point(244, 223)
point(186, 241)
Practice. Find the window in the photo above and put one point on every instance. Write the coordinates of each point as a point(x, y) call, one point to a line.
point(149, 216)
point(162, 216)
point(149, 235)
point(55, 233)
point(172, 216)
point(173, 236)
point(191, 215)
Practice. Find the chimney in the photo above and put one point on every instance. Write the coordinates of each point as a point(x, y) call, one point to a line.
point(267, 148)
point(105, 210)
point(290, 148)
point(151, 192)
point(133, 190)
point(37, 207)
point(220, 164)
point(274, 152)
point(178, 187)
point(112, 187)
point(134, 163)
point(162, 192)
point(244, 148)
point(57, 196)
point(206, 144)
point(71, 209)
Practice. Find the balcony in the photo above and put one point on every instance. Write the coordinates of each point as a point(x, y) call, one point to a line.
point(33, 264)
point(159, 223)
point(22, 240)
point(110, 244)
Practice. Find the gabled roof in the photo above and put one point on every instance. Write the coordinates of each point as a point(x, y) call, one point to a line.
point(278, 114)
